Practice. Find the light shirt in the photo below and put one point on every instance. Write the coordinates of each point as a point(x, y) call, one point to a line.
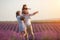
point(28, 19)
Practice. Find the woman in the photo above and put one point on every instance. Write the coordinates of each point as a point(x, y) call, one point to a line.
point(27, 16)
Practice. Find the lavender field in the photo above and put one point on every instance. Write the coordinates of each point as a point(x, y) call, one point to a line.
point(42, 30)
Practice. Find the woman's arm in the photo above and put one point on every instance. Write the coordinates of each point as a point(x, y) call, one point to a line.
point(34, 13)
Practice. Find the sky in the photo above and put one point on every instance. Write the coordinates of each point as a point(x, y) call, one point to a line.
point(48, 9)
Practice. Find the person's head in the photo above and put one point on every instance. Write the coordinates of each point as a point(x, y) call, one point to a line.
point(17, 13)
point(25, 9)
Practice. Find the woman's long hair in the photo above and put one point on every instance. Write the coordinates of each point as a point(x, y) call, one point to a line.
point(24, 8)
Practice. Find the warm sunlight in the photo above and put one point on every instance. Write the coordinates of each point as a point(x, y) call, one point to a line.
point(48, 9)
point(58, 3)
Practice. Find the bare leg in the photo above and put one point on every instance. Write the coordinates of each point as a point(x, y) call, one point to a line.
point(22, 35)
point(32, 36)
point(26, 35)
point(30, 31)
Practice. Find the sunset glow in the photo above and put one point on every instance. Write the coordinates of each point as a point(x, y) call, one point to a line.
point(48, 9)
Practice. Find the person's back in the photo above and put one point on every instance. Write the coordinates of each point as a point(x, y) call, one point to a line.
point(20, 21)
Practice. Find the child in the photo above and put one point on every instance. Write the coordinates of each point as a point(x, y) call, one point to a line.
point(28, 21)
point(20, 20)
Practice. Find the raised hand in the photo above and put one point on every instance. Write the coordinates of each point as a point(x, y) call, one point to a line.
point(35, 12)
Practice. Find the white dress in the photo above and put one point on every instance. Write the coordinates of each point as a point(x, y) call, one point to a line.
point(21, 24)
